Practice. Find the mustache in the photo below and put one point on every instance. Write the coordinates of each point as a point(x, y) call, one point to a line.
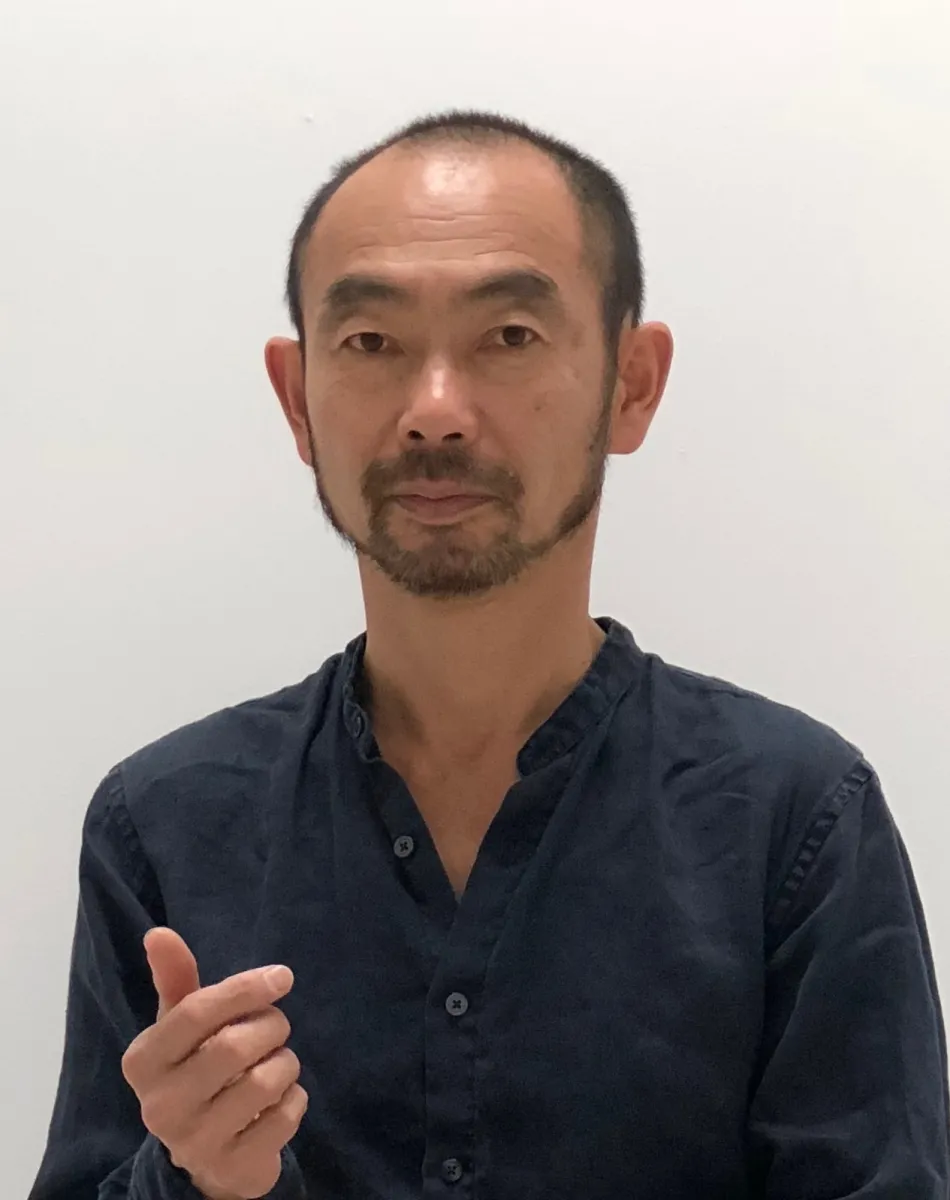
point(446, 464)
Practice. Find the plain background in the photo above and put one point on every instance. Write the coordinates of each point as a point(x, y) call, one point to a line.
point(787, 525)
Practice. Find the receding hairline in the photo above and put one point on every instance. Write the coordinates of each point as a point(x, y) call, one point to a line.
point(596, 238)
point(610, 241)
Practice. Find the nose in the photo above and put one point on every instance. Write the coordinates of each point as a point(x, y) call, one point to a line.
point(438, 408)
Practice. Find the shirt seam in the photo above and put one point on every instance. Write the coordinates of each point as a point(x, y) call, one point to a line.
point(143, 882)
point(816, 835)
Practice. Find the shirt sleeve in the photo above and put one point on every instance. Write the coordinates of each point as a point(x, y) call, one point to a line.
point(97, 1146)
point(850, 1097)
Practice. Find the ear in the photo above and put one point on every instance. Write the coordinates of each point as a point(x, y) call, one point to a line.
point(644, 358)
point(283, 358)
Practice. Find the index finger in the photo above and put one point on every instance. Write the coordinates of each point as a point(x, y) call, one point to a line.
point(193, 1020)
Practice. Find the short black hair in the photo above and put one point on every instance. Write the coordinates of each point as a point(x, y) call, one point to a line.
point(608, 219)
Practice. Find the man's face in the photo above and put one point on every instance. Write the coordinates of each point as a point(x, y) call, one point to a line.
point(454, 336)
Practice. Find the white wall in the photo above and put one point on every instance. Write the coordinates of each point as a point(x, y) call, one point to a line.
point(162, 552)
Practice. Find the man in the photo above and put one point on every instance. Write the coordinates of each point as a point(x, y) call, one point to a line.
point(563, 920)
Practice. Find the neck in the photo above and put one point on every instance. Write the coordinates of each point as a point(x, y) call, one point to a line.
point(455, 681)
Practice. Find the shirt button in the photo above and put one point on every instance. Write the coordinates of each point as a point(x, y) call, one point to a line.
point(456, 1005)
point(451, 1170)
point(404, 846)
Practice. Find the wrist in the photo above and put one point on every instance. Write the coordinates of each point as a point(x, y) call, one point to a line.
point(210, 1193)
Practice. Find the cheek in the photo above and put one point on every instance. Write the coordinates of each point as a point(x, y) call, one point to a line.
point(346, 445)
point(335, 420)
point(572, 450)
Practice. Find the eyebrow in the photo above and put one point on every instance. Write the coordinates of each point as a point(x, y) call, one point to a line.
point(350, 293)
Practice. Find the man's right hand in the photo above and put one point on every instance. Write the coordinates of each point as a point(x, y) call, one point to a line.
point(216, 1084)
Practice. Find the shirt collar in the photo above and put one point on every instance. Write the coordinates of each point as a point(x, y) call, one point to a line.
point(614, 670)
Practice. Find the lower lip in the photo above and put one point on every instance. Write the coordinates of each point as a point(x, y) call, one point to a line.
point(449, 506)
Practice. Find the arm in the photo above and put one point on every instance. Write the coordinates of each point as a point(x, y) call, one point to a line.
point(97, 1147)
point(850, 1098)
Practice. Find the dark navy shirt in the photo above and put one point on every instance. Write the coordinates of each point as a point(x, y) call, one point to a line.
point(690, 962)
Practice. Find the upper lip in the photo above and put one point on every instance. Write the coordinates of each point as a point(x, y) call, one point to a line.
point(437, 491)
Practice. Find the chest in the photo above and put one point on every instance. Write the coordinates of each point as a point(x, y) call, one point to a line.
point(458, 807)
point(604, 1020)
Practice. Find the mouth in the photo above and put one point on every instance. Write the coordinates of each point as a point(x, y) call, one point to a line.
point(431, 508)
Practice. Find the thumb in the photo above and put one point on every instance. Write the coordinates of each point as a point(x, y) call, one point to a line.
point(174, 970)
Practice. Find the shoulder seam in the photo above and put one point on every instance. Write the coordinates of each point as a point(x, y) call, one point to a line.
point(143, 880)
point(817, 833)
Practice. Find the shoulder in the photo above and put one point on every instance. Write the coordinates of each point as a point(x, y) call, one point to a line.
point(793, 774)
point(752, 730)
point(225, 758)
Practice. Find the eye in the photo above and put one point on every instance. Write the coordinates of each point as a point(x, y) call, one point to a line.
point(365, 343)
point(514, 337)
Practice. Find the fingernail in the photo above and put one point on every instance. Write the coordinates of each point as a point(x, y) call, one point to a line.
point(278, 979)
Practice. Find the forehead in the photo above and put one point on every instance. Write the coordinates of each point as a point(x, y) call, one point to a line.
point(447, 214)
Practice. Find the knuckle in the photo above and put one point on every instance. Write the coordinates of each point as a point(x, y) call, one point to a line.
point(228, 1053)
point(153, 1115)
point(230, 1042)
point(271, 1077)
point(295, 1109)
point(301, 1101)
point(291, 1064)
point(194, 1005)
point(130, 1061)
